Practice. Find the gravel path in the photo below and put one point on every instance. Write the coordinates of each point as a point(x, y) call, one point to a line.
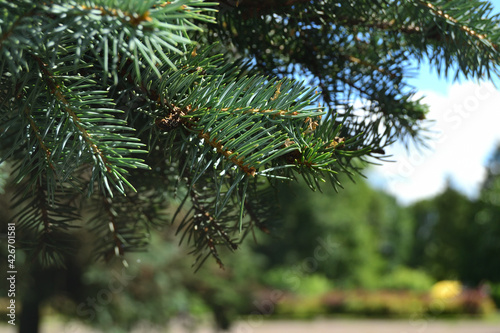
point(369, 326)
point(313, 326)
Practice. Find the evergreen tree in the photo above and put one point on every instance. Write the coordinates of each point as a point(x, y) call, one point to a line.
point(485, 249)
point(456, 237)
point(444, 240)
point(127, 103)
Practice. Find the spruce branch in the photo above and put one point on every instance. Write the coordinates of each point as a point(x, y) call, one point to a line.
point(470, 31)
point(41, 142)
point(45, 219)
point(88, 86)
point(55, 89)
point(122, 224)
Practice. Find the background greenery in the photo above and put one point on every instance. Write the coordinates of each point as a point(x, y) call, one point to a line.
point(384, 265)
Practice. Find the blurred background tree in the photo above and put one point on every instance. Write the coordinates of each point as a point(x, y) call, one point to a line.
point(364, 232)
point(443, 229)
point(457, 237)
point(486, 229)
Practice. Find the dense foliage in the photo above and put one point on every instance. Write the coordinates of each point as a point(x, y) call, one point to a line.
point(368, 256)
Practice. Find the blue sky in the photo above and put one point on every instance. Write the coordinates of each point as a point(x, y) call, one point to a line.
point(465, 131)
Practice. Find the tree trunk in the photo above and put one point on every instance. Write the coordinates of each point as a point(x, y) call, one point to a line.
point(30, 314)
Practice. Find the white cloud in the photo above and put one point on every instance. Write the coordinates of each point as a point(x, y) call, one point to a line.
point(465, 131)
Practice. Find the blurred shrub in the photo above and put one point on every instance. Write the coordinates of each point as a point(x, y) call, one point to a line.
point(473, 302)
point(375, 303)
point(314, 285)
point(279, 278)
point(403, 278)
point(300, 307)
point(446, 289)
point(286, 279)
point(495, 293)
point(477, 302)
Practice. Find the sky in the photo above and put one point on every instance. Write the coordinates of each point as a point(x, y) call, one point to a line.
point(464, 132)
point(462, 136)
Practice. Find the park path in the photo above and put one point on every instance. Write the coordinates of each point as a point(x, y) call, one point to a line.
point(356, 326)
point(369, 326)
point(313, 326)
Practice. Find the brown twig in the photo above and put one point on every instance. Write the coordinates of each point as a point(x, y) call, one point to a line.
point(35, 130)
point(462, 27)
point(55, 89)
point(118, 249)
